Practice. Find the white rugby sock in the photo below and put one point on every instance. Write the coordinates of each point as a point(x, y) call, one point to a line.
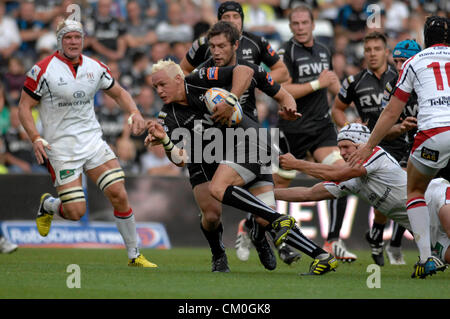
point(52, 204)
point(127, 228)
point(420, 225)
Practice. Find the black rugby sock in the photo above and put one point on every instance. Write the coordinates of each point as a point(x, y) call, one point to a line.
point(337, 209)
point(239, 198)
point(397, 235)
point(214, 239)
point(376, 232)
point(296, 239)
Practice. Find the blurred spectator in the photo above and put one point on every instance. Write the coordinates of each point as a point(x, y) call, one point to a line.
point(105, 33)
point(30, 30)
point(150, 9)
point(263, 112)
point(14, 79)
point(111, 119)
point(47, 43)
point(3, 155)
point(259, 20)
point(126, 154)
point(155, 162)
point(179, 50)
point(415, 27)
point(352, 19)
point(160, 50)
point(148, 105)
point(174, 30)
point(136, 76)
point(191, 12)
point(9, 37)
point(397, 14)
point(20, 155)
point(200, 29)
point(329, 9)
point(139, 31)
point(48, 10)
point(4, 112)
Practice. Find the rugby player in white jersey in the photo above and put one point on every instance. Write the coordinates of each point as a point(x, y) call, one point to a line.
point(62, 86)
point(428, 74)
point(380, 181)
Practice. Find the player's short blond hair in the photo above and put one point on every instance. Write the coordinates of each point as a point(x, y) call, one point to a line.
point(172, 69)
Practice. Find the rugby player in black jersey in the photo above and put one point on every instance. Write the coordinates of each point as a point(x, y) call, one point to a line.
point(223, 42)
point(405, 128)
point(252, 48)
point(185, 95)
point(309, 64)
point(366, 90)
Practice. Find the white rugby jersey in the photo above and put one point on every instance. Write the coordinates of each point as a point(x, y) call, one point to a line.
point(436, 196)
point(384, 186)
point(428, 73)
point(66, 104)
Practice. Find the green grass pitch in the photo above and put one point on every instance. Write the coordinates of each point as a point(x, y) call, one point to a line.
point(185, 273)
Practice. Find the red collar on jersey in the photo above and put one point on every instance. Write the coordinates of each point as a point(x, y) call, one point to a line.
point(68, 62)
point(439, 45)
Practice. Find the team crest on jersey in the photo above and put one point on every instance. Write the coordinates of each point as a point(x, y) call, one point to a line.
point(65, 173)
point(162, 115)
point(247, 52)
point(269, 79)
point(34, 72)
point(430, 155)
point(323, 55)
point(212, 73)
point(270, 50)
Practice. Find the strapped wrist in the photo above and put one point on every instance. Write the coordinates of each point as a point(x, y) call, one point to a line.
point(167, 143)
point(231, 99)
point(315, 85)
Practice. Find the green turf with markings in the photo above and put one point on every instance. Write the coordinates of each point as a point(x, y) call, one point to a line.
point(185, 273)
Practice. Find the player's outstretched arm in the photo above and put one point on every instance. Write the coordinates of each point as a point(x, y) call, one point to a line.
point(303, 194)
point(279, 72)
point(126, 102)
point(338, 112)
point(298, 90)
point(186, 66)
point(288, 107)
point(157, 135)
point(385, 122)
point(26, 105)
point(324, 172)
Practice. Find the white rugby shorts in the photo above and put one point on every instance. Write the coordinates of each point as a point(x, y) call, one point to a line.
point(64, 172)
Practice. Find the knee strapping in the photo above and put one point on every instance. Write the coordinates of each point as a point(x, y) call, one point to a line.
point(268, 198)
point(72, 195)
point(110, 177)
point(331, 158)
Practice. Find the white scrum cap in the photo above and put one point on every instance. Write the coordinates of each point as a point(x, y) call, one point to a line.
point(67, 26)
point(355, 132)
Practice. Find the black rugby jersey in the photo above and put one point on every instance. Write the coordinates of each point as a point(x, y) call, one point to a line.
point(185, 124)
point(366, 91)
point(305, 65)
point(261, 80)
point(252, 48)
point(411, 109)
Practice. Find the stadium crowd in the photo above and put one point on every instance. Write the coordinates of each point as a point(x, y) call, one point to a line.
point(130, 36)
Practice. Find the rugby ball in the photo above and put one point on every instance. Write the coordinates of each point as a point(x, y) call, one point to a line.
point(214, 96)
